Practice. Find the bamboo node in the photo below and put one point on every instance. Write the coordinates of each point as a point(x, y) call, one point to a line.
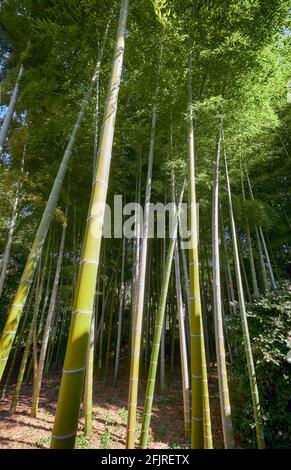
point(89, 262)
point(60, 438)
point(103, 182)
point(82, 312)
point(73, 371)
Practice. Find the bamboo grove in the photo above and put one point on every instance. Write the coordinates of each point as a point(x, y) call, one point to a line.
point(158, 102)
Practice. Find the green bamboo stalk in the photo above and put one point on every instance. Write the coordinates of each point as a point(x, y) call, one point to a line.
point(139, 305)
point(183, 349)
point(18, 341)
point(104, 303)
point(12, 226)
point(137, 250)
point(26, 352)
point(269, 264)
point(68, 406)
point(229, 280)
point(262, 248)
point(248, 292)
point(157, 340)
point(88, 386)
point(201, 424)
point(218, 320)
point(251, 254)
point(262, 262)
point(61, 338)
point(163, 335)
point(47, 328)
point(246, 335)
point(120, 311)
point(109, 333)
point(10, 111)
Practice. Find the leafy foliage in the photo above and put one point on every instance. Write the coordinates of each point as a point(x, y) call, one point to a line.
point(270, 328)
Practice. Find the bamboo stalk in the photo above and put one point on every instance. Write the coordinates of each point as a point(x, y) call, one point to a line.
point(218, 320)
point(10, 111)
point(68, 407)
point(47, 328)
point(201, 423)
point(139, 306)
point(157, 340)
point(12, 226)
point(183, 349)
point(120, 311)
point(246, 335)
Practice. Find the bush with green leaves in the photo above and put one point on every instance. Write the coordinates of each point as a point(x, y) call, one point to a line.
point(269, 321)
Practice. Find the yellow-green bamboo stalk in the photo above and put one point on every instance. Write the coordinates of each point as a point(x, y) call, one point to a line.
point(38, 295)
point(157, 340)
point(12, 225)
point(18, 341)
point(120, 312)
point(201, 423)
point(47, 329)
point(88, 388)
point(251, 254)
point(139, 301)
point(245, 328)
point(259, 241)
point(218, 320)
point(68, 407)
point(182, 333)
point(183, 349)
point(20, 297)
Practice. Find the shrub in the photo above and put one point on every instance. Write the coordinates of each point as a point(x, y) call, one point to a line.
point(269, 321)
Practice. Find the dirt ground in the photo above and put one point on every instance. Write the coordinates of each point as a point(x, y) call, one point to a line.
point(110, 416)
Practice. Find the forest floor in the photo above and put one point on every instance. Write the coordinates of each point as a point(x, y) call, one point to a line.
point(110, 416)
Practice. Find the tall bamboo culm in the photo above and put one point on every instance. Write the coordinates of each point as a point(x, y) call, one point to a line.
point(183, 348)
point(262, 245)
point(139, 299)
point(159, 322)
point(218, 319)
point(68, 406)
point(201, 435)
point(25, 356)
point(47, 328)
point(245, 328)
point(12, 226)
point(10, 111)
